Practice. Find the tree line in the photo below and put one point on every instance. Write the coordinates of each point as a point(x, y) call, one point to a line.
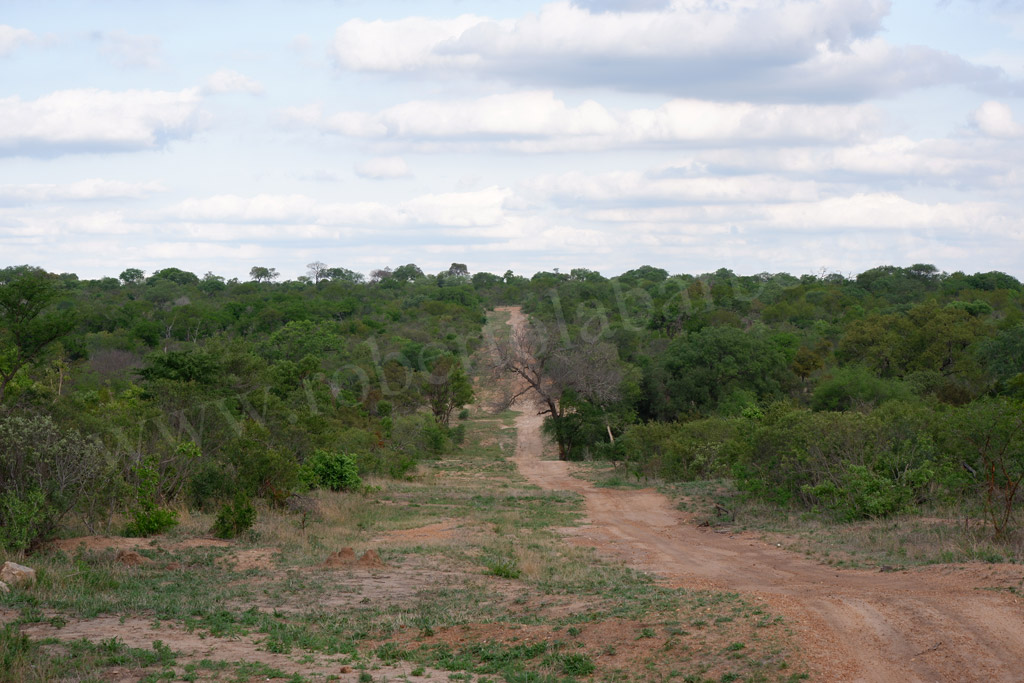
point(868, 395)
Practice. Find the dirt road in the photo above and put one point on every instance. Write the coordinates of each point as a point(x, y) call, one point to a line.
point(946, 623)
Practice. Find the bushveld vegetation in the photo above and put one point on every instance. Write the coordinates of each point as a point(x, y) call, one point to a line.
point(895, 390)
point(296, 417)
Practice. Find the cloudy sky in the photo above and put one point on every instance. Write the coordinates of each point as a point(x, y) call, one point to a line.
point(756, 135)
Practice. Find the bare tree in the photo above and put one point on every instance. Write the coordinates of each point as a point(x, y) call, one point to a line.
point(317, 271)
point(550, 368)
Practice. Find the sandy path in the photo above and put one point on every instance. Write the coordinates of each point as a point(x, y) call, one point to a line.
point(933, 624)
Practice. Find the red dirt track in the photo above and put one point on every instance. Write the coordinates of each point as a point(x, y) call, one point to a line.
point(939, 623)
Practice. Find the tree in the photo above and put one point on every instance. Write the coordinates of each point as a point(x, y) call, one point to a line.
point(408, 272)
point(990, 433)
point(553, 371)
point(211, 283)
point(176, 275)
point(458, 270)
point(317, 271)
point(700, 369)
point(345, 275)
point(447, 388)
point(380, 274)
point(132, 276)
point(45, 473)
point(27, 323)
point(262, 274)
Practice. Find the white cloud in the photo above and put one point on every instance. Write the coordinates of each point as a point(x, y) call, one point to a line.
point(262, 208)
point(773, 50)
point(90, 120)
point(11, 38)
point(635, 187)
point(227, 81)
point(124, 49)
point(82, 190)
point(401, 45)
point(897, 157)
point(383, 168)
point(460, 209)
point(539, 122)
point(455, 210)
point(996, 120)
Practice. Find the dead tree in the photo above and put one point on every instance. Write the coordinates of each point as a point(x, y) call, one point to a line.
point(547, 367)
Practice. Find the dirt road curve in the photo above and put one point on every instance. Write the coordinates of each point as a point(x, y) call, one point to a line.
point(950, 623)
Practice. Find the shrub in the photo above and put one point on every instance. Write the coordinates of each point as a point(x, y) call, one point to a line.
point(47, 474)
point(458, 434)
point(235, 518)
point(150, 521)
point(334, 471)
point(855, 387)
point(147, 517)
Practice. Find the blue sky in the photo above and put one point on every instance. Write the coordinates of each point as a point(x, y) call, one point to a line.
point(777, 135)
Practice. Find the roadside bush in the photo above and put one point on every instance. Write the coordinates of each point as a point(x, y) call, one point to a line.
point(334, 471)
point(210, 482)
point(147, 517)
point(45, 474)
point(235, 518)
point(987, 439)
point(681, 451)
point(458, 434)
point(853, 465)
point(262, 470)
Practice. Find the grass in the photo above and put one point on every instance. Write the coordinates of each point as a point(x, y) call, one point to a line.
point(501, 596)
point(937, 537)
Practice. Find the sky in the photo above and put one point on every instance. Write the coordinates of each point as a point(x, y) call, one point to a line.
point(756, 135)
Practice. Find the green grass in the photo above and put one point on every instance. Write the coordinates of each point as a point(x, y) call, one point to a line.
point(508, 571)
point(940, 537)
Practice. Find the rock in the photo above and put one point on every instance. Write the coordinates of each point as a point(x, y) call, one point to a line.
point(14, 574)
point(4, 588)
point(130, 558)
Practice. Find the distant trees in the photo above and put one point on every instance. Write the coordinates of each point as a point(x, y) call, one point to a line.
point(407, 273)
point(28, 322)
point(458, 270)
point(263, 274)
point(132, 276)
point(317, 271)
point(344, 275)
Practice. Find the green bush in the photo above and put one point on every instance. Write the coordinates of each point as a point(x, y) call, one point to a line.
point(853, 465)
point(48, 473)
point(210, 482)
point(235, 518)
point(334, 471)
point(855, 387)
point(458, 434)
point(147, 517)
point(150, 521)
point(22, 515)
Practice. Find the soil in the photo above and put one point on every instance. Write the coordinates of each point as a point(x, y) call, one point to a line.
point(940, 623)
point(195, 647)
point(346, 558)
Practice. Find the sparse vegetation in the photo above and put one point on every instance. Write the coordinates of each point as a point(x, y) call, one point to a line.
point(867, 421)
